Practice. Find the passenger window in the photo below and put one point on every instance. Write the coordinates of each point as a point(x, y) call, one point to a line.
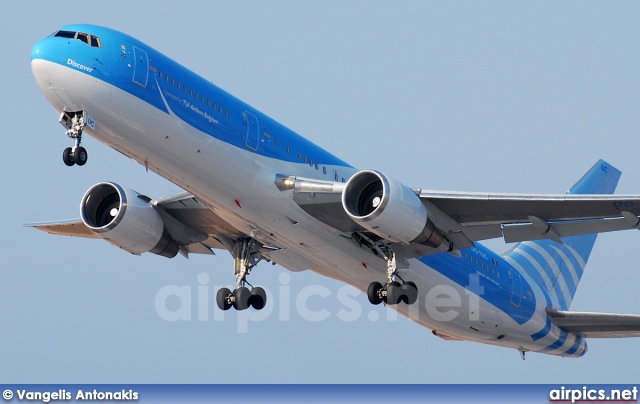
point(324, 170)
point(226, 112)
point(288, 149)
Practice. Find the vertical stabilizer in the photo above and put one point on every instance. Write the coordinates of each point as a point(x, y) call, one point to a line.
point(557, 267)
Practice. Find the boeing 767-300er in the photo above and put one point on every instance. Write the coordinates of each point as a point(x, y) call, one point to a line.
point(263, 192)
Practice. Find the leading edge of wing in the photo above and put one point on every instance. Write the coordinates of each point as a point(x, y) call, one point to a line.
point(596, 325)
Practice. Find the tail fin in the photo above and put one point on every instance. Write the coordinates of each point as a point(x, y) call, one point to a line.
point(557, 267)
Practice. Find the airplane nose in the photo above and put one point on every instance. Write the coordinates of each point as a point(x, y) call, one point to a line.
point(36, 51)
point(43, 52)
point(50, 49)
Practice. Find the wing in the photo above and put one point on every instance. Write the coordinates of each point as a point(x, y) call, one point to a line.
point(73, 228)
point(465, 217)
point(518, 217)
point(596, 325)
point(189, 221)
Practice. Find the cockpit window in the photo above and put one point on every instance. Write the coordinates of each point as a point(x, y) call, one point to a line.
point(90, 40)
point(65, 34)
point(83, 37)
point(95, 42)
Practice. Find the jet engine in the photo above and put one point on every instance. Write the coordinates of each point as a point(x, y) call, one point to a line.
point(126, 219)
point(389, 209)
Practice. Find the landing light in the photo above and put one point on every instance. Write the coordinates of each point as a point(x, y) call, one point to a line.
point(288, 182)
point(284, 183)
point(113, 212)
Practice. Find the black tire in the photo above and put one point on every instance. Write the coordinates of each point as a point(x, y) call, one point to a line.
point(373, 293)
point(409, 292)
point(80, 156)
point(394, 293)
point(242, 295)
point(258, 298)
point(67, 157)
point(221, 299)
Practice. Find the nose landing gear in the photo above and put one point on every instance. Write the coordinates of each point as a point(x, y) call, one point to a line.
point(74, 122)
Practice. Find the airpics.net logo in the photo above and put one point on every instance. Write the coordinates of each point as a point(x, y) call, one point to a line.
point(314, 303)
point(79, 66)
point(600, 395)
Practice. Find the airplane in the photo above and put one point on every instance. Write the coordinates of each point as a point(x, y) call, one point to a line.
point(264, 193)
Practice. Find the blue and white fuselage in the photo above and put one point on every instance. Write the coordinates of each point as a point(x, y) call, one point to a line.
point(226, 153)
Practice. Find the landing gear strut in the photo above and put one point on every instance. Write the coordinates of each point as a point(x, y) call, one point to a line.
point(245, 258)
point(393, 292)
point(74, 122)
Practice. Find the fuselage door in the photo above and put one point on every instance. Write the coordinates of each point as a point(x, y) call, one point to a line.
point(253, 130)
point(140, 67)
point(516, 285)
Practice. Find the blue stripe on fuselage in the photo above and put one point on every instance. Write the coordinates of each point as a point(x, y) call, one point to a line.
point(497, 289)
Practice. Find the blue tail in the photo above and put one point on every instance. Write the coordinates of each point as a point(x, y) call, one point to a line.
point(557, 267)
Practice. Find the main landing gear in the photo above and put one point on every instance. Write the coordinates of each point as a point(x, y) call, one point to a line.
point(392, 292)
point(245, 258)
point(74, 122)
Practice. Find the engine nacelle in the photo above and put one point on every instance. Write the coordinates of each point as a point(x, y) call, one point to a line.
point(389, 209)
point(125, 219)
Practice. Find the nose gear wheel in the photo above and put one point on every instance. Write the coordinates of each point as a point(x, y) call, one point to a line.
point(74, 122)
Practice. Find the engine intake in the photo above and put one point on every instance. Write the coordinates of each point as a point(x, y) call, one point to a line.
point(389, 209)
point(125, 219)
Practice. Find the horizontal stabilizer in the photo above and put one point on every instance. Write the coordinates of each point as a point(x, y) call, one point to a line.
point(596, 325)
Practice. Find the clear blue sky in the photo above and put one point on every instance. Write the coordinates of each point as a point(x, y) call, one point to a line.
point(481, 96)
